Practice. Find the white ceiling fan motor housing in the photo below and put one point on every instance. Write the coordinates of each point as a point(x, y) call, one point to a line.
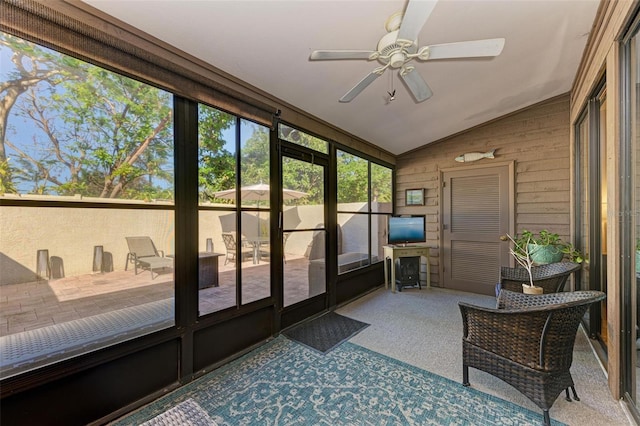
point(390, 51)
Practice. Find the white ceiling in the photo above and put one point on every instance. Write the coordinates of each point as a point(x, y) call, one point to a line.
point(267, 44)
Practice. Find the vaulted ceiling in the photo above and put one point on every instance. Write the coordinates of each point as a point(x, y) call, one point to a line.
point(267, 44)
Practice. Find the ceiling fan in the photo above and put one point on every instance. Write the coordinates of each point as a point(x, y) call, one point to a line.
point(400, 46)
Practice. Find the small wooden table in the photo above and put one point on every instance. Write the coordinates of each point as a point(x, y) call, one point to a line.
point(208, 269)
point(394, 252)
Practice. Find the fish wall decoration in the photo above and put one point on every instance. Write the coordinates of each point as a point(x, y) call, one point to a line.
point(474, 156)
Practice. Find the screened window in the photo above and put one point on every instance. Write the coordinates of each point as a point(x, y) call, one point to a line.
point(301, 138)
point(234, 237)
point(87, 216)
point(217, 228)
point(364, 203)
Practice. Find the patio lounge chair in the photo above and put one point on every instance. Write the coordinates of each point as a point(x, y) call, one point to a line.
point(551, 277)
point(527, 341)
point(229, 239)
point(143, 253)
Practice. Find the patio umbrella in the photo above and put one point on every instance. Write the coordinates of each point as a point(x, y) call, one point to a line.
point(258, 193)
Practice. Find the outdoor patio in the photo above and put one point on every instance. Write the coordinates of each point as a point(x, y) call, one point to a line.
point(32, 305)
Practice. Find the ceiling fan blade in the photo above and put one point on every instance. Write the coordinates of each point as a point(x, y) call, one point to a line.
point(348, 97)
point(467, 49)
point(323, 55)
point(414, 18)
point(416, 84)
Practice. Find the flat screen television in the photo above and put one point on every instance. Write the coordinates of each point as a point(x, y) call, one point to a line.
point(407, 229)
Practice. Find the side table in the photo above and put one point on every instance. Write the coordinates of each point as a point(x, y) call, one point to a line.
point(208, 269)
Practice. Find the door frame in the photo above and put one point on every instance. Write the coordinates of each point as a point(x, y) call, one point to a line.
point(511, 164)
point(309, 307)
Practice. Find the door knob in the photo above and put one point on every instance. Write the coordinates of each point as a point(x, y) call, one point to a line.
point(504, 238)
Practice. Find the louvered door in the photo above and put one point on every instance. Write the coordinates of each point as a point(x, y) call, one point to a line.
point(476, 212)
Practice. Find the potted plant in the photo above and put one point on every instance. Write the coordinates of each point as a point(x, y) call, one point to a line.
point(521, 252)
point(547, 247)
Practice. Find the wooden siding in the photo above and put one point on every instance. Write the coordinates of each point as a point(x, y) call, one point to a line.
point(536, 138)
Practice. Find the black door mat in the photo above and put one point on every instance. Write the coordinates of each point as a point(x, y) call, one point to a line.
point(326, 332)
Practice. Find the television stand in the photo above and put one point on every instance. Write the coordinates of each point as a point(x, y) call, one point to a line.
point(394, 252)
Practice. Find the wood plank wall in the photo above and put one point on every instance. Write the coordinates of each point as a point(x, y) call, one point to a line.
point(536, 138)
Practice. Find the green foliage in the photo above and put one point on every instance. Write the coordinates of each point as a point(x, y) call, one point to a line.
point(254, 156)
point(303, 139)
point(6, 185)
point(101, 134)
point(352, 178)
point(546, 238)
point(573, 253)
point(97, 133)
point(305, 177)
point(381, 178)
point(543, 238)
point(216, 169)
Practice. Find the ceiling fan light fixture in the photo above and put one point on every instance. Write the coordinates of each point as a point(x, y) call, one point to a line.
point(397, 60)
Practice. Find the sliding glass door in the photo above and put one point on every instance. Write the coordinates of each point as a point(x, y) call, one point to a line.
point(591, 209)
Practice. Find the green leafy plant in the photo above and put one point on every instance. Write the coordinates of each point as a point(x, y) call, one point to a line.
point(573, 254)
point(543, 238)
point(546, 238)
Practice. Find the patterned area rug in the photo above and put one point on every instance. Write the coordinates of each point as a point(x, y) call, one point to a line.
point(326, 332)
point(285, 383)
point(187, 413)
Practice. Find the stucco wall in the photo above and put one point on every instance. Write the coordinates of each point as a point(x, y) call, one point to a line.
point(536, 138)
point(70, 234)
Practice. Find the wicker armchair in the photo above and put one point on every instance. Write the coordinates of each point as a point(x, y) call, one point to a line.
point(527, 341)
point(551, 277)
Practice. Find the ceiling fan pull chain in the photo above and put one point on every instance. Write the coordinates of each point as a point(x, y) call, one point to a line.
point(392, 91)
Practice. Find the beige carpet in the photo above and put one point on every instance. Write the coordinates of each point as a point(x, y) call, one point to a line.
point(424, 328)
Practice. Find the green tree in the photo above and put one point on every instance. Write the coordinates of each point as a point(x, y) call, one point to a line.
point(217, 166)
point(97, 133)
point(353, 178)
point(381, 184)
point(31, 66)
point(255, 155)
point(305, 177)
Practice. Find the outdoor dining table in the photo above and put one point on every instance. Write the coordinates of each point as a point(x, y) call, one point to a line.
point(256, 243)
